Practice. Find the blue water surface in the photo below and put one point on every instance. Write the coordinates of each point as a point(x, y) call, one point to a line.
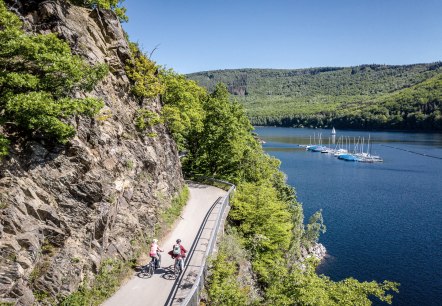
point(383, 219)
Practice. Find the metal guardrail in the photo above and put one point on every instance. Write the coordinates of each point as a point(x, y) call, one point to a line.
point(192, 298)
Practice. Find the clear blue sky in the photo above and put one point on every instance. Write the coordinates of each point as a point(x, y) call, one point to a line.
point(199, 35)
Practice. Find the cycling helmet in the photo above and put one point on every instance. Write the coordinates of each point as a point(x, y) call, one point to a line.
point(178, 240)
point(155, 240)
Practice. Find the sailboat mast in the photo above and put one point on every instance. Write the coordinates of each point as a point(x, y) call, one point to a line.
point(368, 145)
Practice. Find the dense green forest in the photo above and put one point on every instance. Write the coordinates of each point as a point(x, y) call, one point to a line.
point(365, 97)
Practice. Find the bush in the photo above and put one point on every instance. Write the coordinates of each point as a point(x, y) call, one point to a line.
point(108, 280)
point(146, 118)
point(144, 74)
point(114, 5)
point(38, 78)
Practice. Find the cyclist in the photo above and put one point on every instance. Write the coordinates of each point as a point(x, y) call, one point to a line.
point(178, 253)
point(155, 253)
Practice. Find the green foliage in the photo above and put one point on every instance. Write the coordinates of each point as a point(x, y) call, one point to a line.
point(144, 74)
point(183, 107)
point(48, 248)
point(129, 165)
point(225, 283)
point(264, 223)
point(114, 5)
point(39, 269)
point(223, 289)
point(314, 228)
point(215, 133)
point(146, 118)
point(302, 286)
point(39, 74)
point(3, 205)
point(38, 111)
point(107, 281)
point(43, 297)
point(170, 214)
point(4, 147)
point(267, 218)
point(225, 142)
point(369, 96)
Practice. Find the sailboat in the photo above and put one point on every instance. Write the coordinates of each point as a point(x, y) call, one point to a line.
point(366, 157)
point(333, 132)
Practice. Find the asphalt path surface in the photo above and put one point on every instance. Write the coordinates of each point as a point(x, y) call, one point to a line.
point(155, 290)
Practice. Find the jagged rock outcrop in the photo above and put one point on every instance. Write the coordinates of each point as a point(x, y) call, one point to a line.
point(317, 251)
point(65, 208)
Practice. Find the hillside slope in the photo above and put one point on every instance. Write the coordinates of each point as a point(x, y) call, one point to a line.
point(67, 208)
point(341, 97)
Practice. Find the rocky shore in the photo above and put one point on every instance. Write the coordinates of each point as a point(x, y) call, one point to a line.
point(317, 251)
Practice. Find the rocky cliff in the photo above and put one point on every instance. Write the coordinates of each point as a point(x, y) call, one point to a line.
point(66, 208)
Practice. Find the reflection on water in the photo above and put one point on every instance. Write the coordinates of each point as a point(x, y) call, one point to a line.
point(306, 136)
point(383, 220)
point(284, 149)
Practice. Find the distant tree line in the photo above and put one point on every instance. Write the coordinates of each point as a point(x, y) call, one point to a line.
point(416, 108)
point(365, 97)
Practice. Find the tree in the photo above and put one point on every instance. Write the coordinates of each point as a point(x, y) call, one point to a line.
point(38, 77)
point(223, 141)
point(264, 222)
point(183, 108)
point(314, 228)
point(302, 286)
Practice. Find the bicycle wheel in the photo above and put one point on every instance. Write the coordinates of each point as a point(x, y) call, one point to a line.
point(151, 269)
point(177, 268)
point(146, 271)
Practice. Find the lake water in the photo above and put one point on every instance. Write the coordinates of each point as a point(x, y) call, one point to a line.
point(384, 220)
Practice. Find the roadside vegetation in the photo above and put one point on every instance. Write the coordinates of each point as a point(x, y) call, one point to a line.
point(362, 97)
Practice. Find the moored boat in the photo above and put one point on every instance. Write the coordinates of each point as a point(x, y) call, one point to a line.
point(348, 157)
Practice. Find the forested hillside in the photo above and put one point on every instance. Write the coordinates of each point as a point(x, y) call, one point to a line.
point(367, 96)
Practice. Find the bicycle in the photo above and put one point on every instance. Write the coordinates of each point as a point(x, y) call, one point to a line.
point(177, 268)
point(148, 270)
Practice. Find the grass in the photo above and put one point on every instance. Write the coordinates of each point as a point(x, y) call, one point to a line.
point(129, 164)
point(3, 205)
point(110, 275)
point(39, 269)
point(113, 272)
point(172, 213)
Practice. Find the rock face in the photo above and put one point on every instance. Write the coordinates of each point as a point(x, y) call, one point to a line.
point(317, 251)
point(64, 209)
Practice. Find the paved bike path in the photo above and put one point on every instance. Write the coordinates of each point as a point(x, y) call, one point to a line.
point(155, 290)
